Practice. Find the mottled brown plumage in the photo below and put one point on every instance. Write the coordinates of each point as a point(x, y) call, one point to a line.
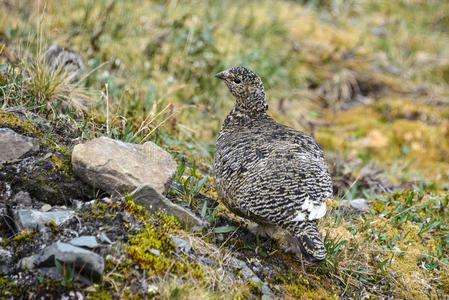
point(268, 172)
point(66, 60)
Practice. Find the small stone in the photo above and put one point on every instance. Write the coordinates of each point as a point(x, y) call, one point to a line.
point(82, 260)
point(79, 295)
point(266, 291)
point(33, 218)
point(45, 207)
point(117, 167)
point(206, 260)
point(5, 256)
point(77, 204)
point(152, 289)
point(155, 252)
point(148, 197)
point(126, 215)
point(181, 244)
point(27, 262)
point(106, 200)
point(104, 238)
point(13, 145)
point(23, 199)
point(379, 31)
point(267, 294)
point(5, 189)
point(88, 241)
point(358, 204)
point(249, 275)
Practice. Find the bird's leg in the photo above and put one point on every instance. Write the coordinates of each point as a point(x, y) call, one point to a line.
point(286, 241)
point(289, 243)
point(263, 230)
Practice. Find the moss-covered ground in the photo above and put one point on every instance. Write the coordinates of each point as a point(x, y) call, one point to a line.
point(369, 79)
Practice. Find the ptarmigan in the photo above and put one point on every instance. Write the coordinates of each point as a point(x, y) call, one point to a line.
point(66, 59)
point(267, 172)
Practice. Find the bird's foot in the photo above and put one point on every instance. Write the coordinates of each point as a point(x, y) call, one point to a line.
point(289, 244)
point(263, 230)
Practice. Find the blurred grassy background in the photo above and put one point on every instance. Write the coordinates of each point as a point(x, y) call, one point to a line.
point(311, 57)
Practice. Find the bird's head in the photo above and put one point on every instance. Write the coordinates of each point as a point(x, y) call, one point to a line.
point(246, 87)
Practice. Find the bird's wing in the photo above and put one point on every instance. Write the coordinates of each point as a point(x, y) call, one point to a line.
point(288, 184)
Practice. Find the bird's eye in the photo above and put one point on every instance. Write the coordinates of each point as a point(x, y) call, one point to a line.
point(237, 80)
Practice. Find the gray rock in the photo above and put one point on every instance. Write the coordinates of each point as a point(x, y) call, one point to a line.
point(33, 218)
point(4, 269)
point(56, 274)
point(77, 204)
point(5, 256)
point(45, 207)
point(181, 244)
point(88, 241)
point(27, 262)
point(148, 197)
point(23, 199)
point(13, 145)
point(152, 289)
point(358, 204)
point(104, 238)
point(249, 275)
point(155, 252)
point(117, 167)
point(5, 189)
point(84, 261)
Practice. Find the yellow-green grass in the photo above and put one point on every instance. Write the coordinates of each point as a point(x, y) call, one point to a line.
point(167, 52)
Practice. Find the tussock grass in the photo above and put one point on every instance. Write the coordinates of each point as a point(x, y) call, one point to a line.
point(31, 83)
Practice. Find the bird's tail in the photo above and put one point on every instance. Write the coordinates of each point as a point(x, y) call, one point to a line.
point(310, 242)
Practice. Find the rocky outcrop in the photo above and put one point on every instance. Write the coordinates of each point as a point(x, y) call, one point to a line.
point(117, 167)
point(13, 145)
point(84, 261)
point(249, 275)
point(30, 218)
point(148, 197)
point(35, 167)
point(87, 241)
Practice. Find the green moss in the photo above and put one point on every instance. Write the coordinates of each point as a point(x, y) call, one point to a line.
point(26, 236)
point(53, 227)
point(153, 249)
point(11, 121)
point(101, 211)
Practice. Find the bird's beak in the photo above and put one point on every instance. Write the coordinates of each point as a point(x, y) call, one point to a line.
point(221, 75)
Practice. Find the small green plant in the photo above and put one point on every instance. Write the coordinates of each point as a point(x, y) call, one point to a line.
point(191, 184)
point(334, 248)
point(67, 273)
point(225, 229)
point(257, 247)
point(208, 212)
